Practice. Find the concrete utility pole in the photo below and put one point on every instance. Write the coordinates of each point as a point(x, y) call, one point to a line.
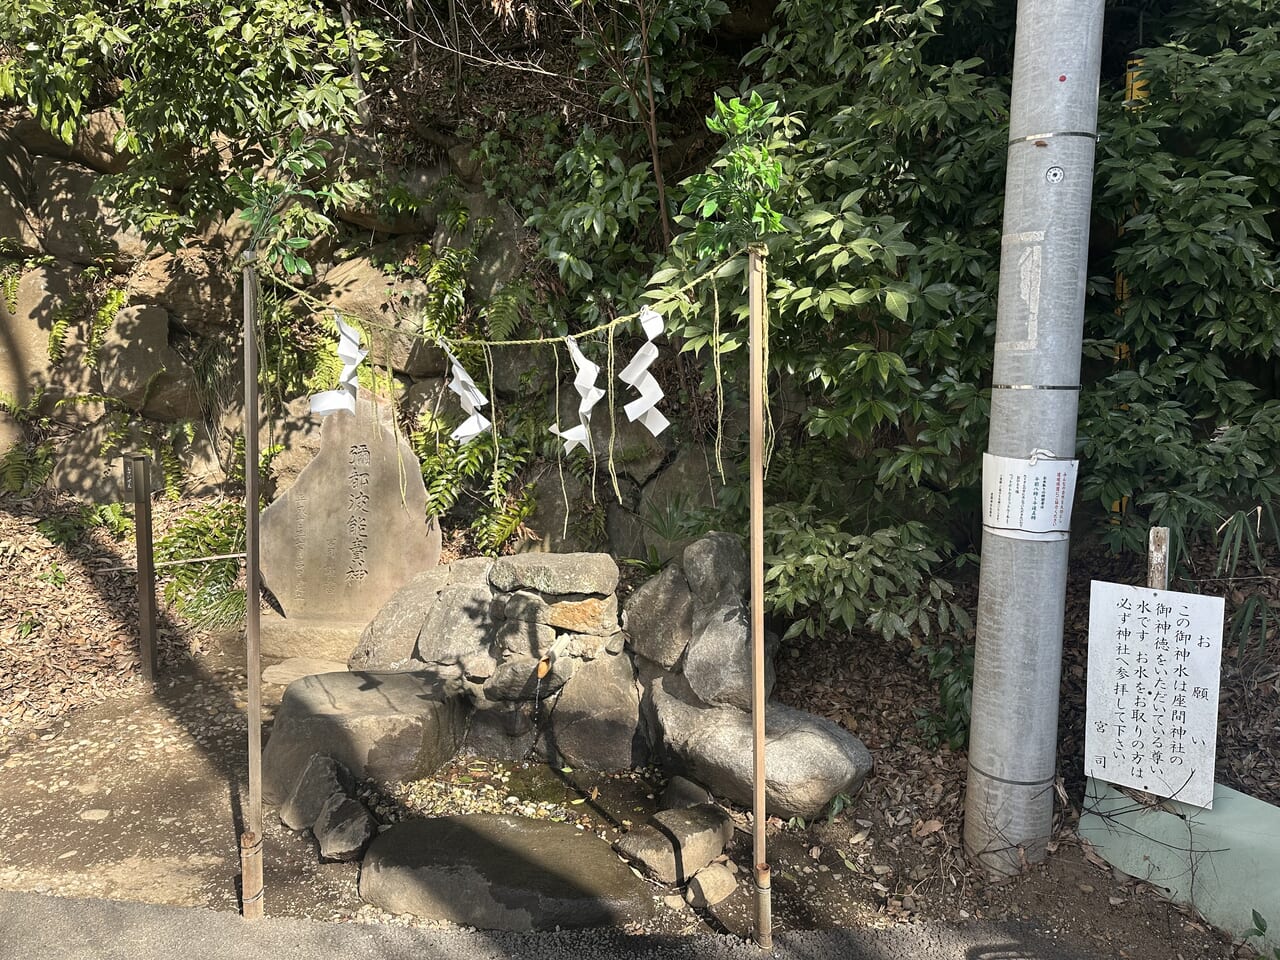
point(1034, 400)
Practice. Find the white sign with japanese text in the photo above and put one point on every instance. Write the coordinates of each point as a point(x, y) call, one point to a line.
point(1028, 499)
point(1154, 662)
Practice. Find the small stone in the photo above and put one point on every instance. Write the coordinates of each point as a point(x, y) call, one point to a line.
point(681, 792)
point(710, 885)
point(96, 815)
point(1085, 887)
point(343, 829)
point(322, 778)
point(477, 666)
point(676, 843)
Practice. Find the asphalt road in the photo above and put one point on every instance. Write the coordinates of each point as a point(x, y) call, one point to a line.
point(36, 927)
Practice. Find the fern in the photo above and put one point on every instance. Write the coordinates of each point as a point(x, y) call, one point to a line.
point(502, 314)
point(494, 527)
point(58, 336)
point(10, 277)
point(25, 467)
point(446, 282)
point(101, 322)
point(207, 593)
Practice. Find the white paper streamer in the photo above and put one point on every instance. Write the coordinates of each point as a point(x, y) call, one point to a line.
point(584, 382)
point(350, 353)
point(472, 399)
point(636, 375)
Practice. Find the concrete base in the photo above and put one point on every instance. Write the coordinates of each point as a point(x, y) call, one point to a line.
point(1225, 862)
point(285, 638)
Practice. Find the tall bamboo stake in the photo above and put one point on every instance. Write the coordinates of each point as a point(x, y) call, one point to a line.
point(756, 301)
point(251, 841)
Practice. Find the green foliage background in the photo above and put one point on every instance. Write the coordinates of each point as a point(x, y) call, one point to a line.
point(864, 144)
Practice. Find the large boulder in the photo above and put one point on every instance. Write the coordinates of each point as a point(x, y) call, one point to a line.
point(17, 234)
point(93, 144)
point(46, 298)
point(596, 721)
point(390, 639)
point(76, 223)
point(717, 663)
point(459, 623)
point(715, 567)
point(142, 371)
point(687, 484)
point(658, 618)
point(88, 464)
point(360, 288)
point(297, 432)
point(625, 446)
point(562, 514)
point(502, 873)
point(384, 727)
point(198, 287)
point(808, 759)
point(497, 228)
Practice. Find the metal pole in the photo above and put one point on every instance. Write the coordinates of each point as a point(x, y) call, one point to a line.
point(137, 475)
point(1034, 400)
point(251, 842)
point(756, 301)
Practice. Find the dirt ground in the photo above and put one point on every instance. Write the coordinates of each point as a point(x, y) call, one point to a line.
point(112, 790)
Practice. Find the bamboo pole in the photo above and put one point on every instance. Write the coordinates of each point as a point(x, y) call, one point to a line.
point(251, 842)
point(138, 475)
point(756, 302)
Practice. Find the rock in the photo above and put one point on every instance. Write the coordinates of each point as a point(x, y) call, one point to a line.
point(715, 567)
point(517, 679)
point(588, 646)
point(522, 373)
point(502, 730)
point(352, 530)
point(596, 721)
point(360, 288)
point(658, 618)
point(364, 158)
point(717, 663)
point(197, 287)
point(556, 573)
point(496, 260)
point(140, 369)
point(297, 432)
point(478, 667)
point(710, 885)
point(11, 433)
point(77, 223)
point(295, 668)
point(343, 829)
point(578, 613)
point(459, 623)
point(519, 638)
point(808, 759)
point(47, 296)
point(289, 638)
point(554, 501)
point(321, 778)
point(391, 638)
point(636, 453)
point(433, 397)
point(682, 792)
point(464, 163)
point(17, 233)
point(502, 873)
point(687, 484)
point(470, 571)
point(89, 466)
point(675, 844)
point(380, 726)
point(93, 143)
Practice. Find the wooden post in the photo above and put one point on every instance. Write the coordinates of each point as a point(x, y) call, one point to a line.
point(137, 477)
point(1158, 558)
point(756, 303)
point(251, 842)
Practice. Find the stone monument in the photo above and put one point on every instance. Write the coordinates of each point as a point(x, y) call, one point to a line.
point(347, 535)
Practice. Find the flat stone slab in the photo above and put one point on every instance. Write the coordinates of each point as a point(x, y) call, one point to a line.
point(380, 726)
point(556, 573)
point(292, 638)
point(502, 873)
point(283, 674)
point(676, 844)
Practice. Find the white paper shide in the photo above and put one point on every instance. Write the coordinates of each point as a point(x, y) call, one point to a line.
point(472, 399)
point(344, 396)
point(636, 374)
point(584, 381)
point(1154, 662)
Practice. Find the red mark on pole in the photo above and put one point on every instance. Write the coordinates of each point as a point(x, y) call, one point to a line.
point(1062, 78)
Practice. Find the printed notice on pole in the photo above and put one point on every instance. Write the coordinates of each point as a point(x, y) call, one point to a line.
point(1154, 662)
point(1028, 499)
